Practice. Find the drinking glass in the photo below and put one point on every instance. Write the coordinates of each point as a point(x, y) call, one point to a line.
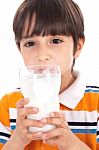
point(41, 84)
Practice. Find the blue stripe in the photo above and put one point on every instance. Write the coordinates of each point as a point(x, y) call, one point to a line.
point(3, 141)
point(13, 127)
point(86, 131)
point(91, 90)
point(98, 140)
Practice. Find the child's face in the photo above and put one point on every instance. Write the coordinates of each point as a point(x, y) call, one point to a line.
point(48, 50)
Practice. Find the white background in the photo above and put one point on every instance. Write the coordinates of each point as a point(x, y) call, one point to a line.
point(10, 58)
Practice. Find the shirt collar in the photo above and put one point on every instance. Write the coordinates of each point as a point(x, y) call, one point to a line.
point(72, 96)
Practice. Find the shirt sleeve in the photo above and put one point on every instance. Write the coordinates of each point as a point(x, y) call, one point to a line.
point(5, 131)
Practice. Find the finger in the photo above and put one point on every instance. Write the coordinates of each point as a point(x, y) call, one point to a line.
point(56, 114)
point(34, 123)
point(24, 112)
point(51, 142)
point(21, 103)
point(56, 119)
point(34, 136)
point(59, 122)
point(28, 110)
point(58, 132)
point(31, 136)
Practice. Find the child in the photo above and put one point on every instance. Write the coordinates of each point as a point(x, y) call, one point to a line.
point(49, 31)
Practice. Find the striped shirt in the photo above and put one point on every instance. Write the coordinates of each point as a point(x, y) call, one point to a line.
point(80, 105)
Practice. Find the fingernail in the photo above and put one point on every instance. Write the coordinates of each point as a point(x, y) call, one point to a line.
point(44, 120)
point(35, 109)
point(26, 99)
point(39, 133)
point(52, 114)
point(44, 141)
point(44, 137)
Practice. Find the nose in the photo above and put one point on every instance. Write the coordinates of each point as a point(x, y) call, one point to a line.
point(44, 55)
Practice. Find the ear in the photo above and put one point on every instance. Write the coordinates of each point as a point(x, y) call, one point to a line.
point(79, 47)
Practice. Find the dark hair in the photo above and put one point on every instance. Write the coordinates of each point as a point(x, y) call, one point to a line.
point(48, 17)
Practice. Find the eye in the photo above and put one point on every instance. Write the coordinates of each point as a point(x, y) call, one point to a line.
point(29, 44)
point(56, 41)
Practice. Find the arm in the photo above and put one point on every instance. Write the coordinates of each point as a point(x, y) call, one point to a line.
point(13, 143)
point(21, 137)
point(62, 136)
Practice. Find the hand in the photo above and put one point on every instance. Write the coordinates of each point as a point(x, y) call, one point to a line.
point(61, 136)
point(21, 132)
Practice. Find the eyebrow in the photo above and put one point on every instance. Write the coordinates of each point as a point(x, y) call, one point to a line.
point(27, 38)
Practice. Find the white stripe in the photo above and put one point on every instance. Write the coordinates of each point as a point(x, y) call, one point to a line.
point(89, 88)
point(13, 113)
point(4, 137)
point(80, 116)
point(12, 124)
point(98, 115)
point(98, 126)
point(71, 116)
point(82, 127)
point(4, 129)
point(97, 136)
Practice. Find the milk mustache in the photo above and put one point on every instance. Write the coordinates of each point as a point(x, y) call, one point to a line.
point(41, 85)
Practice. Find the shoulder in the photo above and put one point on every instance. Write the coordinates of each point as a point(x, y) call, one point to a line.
point(90, 99)
point(11, 98)
point(92, 93)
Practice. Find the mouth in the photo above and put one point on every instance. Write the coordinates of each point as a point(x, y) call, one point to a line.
point(43, 68)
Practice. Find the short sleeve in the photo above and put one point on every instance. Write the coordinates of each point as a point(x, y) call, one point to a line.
point(5, 131)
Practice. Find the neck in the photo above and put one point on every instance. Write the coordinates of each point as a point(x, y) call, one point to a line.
point(66, 81)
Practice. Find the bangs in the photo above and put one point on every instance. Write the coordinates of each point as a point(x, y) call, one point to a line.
point(45, 26)
point(46, 17)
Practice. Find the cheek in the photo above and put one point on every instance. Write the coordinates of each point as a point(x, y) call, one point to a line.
point(66, 63)
point(27, 57)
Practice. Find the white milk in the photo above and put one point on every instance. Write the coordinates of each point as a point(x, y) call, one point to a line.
point(43, 93)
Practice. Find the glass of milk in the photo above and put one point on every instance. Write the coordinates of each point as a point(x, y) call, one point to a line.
point(41, 84)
